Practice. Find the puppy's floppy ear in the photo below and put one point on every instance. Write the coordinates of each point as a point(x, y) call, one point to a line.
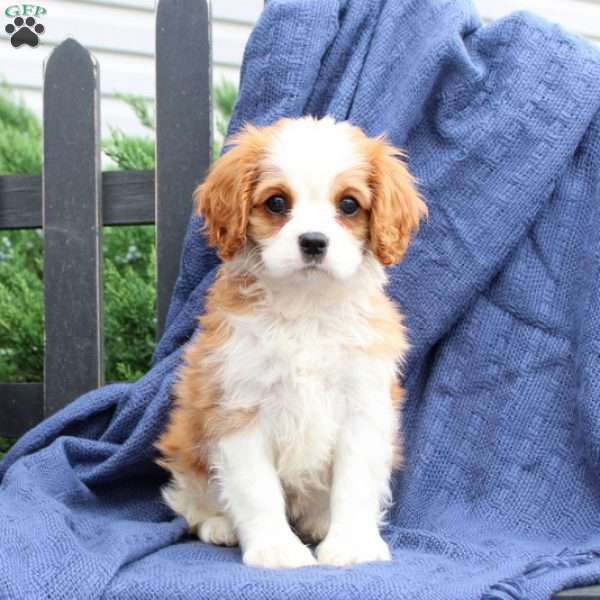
point(396, 208)
point(224, 199)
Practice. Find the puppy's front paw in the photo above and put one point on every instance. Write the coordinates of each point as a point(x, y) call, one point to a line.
point(340, 549)
point(285, 553)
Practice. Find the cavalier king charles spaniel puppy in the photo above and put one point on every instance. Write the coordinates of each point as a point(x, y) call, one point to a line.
point(284, 428)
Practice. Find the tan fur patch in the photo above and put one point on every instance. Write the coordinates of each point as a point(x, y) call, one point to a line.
point(198, 417)
point(392, 341)
point(397, 207)
point(354, 183)
point(225, 198)
point(386, 322)
point(263, 224)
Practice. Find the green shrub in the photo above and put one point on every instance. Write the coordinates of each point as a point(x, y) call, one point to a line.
point(131, 152)
point(20, 136)
point(5, 444)
point(129, 294)
point(21, 343)
point(225, 95)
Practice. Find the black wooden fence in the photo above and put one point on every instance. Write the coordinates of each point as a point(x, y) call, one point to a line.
point(73, 199)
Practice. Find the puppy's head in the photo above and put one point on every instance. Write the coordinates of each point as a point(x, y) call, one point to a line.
point(310, 196)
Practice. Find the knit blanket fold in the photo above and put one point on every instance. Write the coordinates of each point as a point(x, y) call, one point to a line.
point(500, 497)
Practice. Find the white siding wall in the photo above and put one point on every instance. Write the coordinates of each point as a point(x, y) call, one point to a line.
point(121, 35)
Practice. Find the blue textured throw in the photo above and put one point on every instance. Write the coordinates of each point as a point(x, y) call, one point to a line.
point(501, 495)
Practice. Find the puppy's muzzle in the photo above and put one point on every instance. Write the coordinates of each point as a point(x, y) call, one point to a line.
point(313, 246)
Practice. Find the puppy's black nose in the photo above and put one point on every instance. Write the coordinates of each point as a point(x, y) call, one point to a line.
point(313, 245)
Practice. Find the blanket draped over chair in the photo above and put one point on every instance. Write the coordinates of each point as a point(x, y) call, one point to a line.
point(500, 497)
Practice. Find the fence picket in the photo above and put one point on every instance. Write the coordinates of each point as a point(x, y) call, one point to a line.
point(183, 129)
point(71, 214)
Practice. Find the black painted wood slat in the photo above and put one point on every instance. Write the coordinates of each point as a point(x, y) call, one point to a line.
point(21, 407)
point(183, 129)
point(127, 199)
point(20, 201)
point(71, 200)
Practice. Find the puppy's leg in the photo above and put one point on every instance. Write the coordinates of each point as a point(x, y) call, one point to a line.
point(360, 488)
point(253, 495)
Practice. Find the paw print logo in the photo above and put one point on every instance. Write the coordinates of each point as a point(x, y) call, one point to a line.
point(24, 31)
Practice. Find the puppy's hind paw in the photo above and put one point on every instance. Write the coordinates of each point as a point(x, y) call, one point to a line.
point(218, 530)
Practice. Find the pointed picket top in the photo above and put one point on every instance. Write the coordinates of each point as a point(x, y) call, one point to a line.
point(71, 56)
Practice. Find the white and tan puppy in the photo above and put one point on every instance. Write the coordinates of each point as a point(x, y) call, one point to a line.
point(285, 424)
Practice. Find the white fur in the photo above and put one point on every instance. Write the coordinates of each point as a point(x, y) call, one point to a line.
point(325, 427)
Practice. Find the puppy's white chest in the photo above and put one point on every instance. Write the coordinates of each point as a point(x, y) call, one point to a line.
point(304, 416)
point(295, 371)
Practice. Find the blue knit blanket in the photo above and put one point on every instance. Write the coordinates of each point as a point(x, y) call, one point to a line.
point(501, 495)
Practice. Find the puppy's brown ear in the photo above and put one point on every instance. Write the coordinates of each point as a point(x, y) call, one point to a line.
point(224, 199)
point(397, 208)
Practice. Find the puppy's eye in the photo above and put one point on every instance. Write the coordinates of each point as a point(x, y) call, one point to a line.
point(277, 205)
point(349, 206)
